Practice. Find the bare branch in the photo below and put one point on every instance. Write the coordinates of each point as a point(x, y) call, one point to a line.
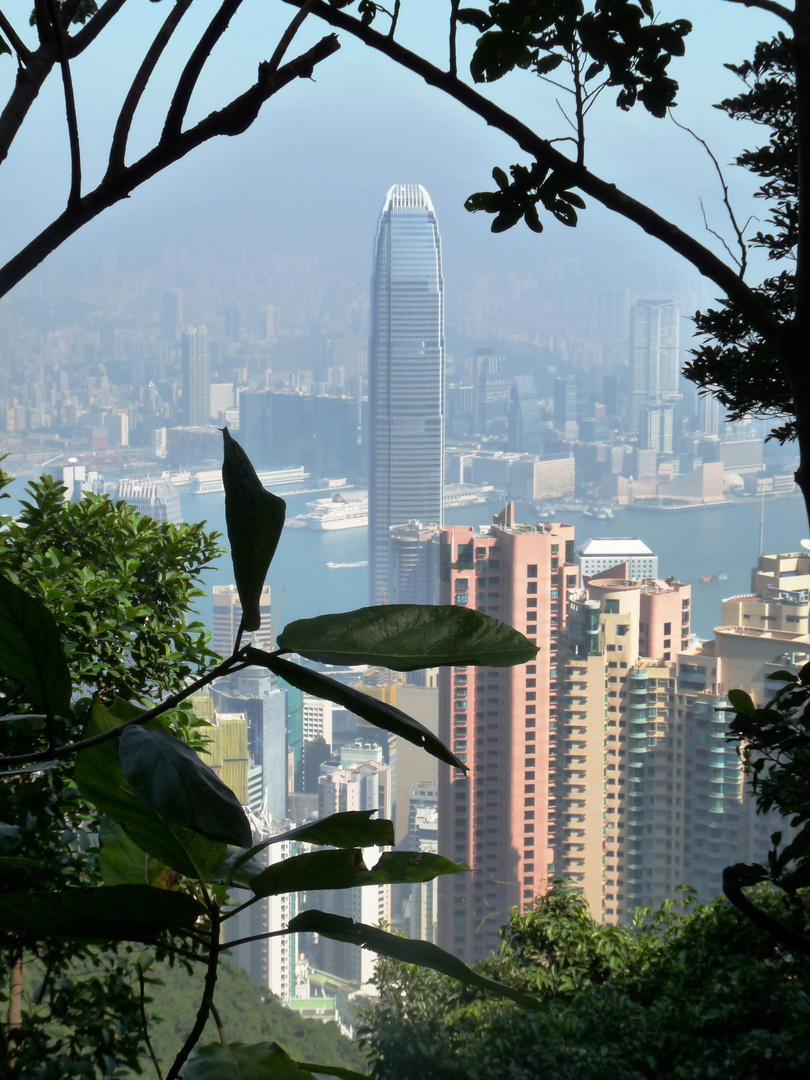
point(75, 192)
point(144, 1021)
point(14, 40)
point(93, 27)
point(742, 261)
point(394, 18)
point(286, 38)
point(26, 88)
point(118, 145)
point(207, 998)
point(193, 69)
point(768, 5)
point(717, 235)
point(609, 195)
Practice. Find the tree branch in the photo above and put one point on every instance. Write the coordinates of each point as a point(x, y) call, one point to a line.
point(191, 72)
point(794, 940)
point(93, 27)
point(17, 44)
point(26, 88)
point(768, 5)
point(207, 999)
point(609, 195)
point(233, 119)
point(75, 193)
point(286, 38)
point(118, 145)
point(145, 1023)
point(453, 65)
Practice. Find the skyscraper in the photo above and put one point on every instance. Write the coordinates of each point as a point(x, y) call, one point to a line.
point(500, 819)
point(196, 377)
point(406, 366)
point(654, 355)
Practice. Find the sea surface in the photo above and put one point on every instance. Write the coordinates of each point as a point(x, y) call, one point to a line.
point(690, 545)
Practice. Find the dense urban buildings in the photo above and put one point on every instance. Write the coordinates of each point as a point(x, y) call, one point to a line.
point(196, 363)
point(500, 817)
point(406, 375)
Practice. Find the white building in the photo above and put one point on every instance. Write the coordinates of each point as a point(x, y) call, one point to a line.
point(602, 553)
point(228, 616)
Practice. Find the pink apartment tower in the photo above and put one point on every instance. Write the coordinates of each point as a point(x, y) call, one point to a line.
point(500, 818)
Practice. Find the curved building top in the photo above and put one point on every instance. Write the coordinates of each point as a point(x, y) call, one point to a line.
point(407, 197)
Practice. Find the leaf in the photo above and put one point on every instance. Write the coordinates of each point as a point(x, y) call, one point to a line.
point(406, 637)
point(31, 650)
point(548, 63)
point(741, 702)
point(783, 676)
point(376, 712)
point(259, 1061)
point(423, 953)
point(100, 778)
point(255, 520)
point(117, 913)
point(343, 868)
point(354, 828)
point(169, 778)
point(122, 862)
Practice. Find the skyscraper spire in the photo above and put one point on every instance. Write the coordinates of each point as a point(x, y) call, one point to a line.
point(406, 370)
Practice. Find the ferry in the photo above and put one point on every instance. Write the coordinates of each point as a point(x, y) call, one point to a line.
point(339, 512)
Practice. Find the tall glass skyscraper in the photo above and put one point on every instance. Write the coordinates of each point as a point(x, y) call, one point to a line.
point(406, 372)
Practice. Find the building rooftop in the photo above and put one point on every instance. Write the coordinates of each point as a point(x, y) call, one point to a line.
point(614, 545)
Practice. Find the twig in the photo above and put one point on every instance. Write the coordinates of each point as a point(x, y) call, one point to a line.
point(178, 106)
point(453, 28)
point(713, 232)
point(286, 38)
point(93, 27)
point(742, 262)
point(218, 1021)
point(394, 18)
point(768, 5)
point(225, 945)
point(147, 1040)
point(75, 194)
point(207, 999)
point(233, 663)
point(16, 42)
point(118, 145)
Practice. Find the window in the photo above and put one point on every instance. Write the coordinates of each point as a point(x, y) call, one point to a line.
point(531, 570)
point(531, 587)
point(667, 629)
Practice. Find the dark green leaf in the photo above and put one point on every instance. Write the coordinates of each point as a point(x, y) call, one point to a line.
point(783, 676)
point(169, 778)
point(31, 650)
point(343, 868)
point(40, 766)
point(260, 1061)
point(255, 521)
point(101, 780)
point(406, 637)
point(376, 712)
point(354, 828)
point(4, 47)
point(548, 63)
point(118, 913)
point(423, 953)
point(473, 17)
point(741, 702)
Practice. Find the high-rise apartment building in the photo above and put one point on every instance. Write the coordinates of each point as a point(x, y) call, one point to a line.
point(654, 355)
point(406, 375)
point(500, 818)
point(650, 793)
point(196, 369)
point(228, 616)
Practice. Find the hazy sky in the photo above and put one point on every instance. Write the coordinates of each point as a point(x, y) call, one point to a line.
point(310, 176)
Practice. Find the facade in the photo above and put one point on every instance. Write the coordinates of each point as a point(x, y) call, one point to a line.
point(500, 818)
point(156, 499)
point(196, 369)
point(414, 566)
point(654, 355)
point(603, 553)
point(406, 375)
point(228, 616)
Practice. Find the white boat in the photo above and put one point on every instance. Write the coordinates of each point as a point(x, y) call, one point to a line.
point(339, 512)
point(345, 565)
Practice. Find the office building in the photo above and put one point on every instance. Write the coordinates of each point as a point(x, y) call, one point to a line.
point(500, 818)
point(228, 617)
point(156, 499)
point(525, 419)
point(406, 375)
point(196, 370)
point(654, 355)
point(414, 566)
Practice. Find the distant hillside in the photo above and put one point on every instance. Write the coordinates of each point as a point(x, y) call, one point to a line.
point(245, 1017)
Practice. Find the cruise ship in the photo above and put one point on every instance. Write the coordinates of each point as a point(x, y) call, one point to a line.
point(337, 513)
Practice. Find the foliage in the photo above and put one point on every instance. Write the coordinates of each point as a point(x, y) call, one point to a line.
point(686, 992)
point(115, 829)
point(735, 362)
point(775, 747)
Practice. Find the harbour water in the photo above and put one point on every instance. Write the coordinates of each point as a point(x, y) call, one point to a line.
point(690, 545)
